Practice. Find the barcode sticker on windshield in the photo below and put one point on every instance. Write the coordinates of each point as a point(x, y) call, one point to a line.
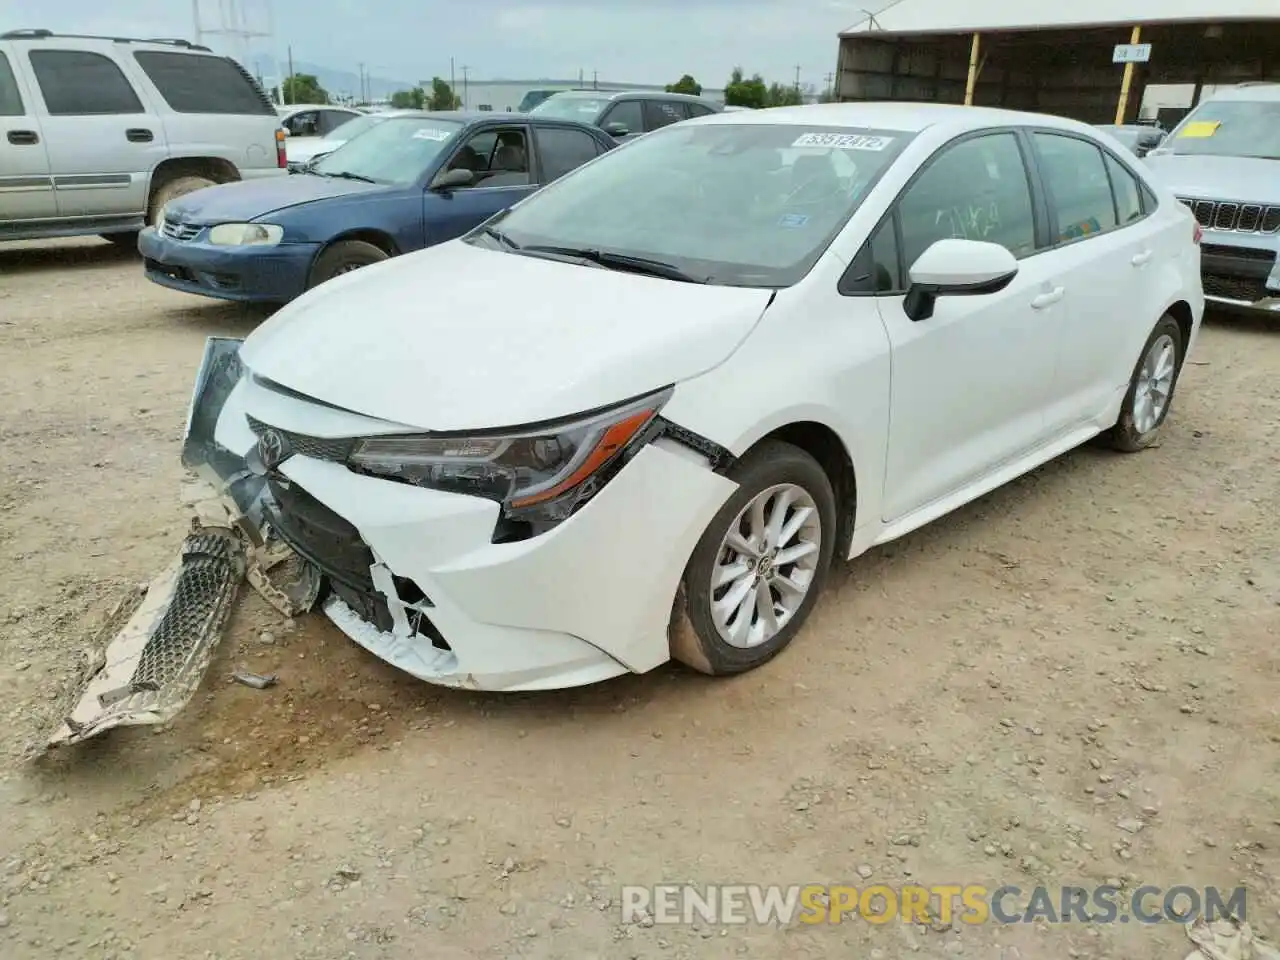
point(844, 141)
point(431, 133)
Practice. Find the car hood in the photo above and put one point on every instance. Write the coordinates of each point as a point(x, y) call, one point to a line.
point(247, 199)
point(1242, 179)
point(458, 337)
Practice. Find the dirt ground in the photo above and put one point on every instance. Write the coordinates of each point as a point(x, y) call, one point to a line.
point(1071, 681)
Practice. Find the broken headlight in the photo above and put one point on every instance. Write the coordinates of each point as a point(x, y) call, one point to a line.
point(538, 473)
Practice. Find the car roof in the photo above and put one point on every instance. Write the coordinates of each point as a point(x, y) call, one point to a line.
point(902, 116)
point(1255, 91)
point(626, 95)
point(97, 41)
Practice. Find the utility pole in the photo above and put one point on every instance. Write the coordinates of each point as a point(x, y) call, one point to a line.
point(465, 71)
point(195, 19)
point(287, 93)
point(797, 78)
point(579, 76)
point(360, 68)
point(452, 82)
point(595, 79)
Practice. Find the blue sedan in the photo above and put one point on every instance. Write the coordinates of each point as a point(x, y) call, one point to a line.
point(407, 183)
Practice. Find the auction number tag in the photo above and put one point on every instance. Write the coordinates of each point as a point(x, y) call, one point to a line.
point(431, 133)
point(844, 141)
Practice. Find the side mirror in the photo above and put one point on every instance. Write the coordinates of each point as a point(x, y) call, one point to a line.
point(448, 179)
point(616, 129)
point(951, 268)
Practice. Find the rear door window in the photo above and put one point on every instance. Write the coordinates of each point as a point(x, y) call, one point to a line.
point(76, 83)
point(662, 113)
point(561, 150)
point(197, 83)
point(1127, 190)
point(10, 99)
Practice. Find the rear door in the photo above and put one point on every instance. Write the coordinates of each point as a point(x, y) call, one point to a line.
point(103, 139)
point(26, 185)
point(1104, 245)
point(561, 149)
point(215, 109)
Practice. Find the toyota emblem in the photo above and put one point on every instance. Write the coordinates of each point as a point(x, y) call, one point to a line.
point(273, 449)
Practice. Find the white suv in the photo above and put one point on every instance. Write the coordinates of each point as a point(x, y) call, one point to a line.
point(98, 133)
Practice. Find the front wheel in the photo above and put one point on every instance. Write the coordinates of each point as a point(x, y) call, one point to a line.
point(1150, 394)
point(343, 257)
point(756, 574)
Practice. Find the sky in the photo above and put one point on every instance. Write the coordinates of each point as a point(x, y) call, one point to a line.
point(634, 41)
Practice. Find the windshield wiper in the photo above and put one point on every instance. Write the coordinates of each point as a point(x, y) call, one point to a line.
point(501, 237)
point(620, 261)
point(348, 175)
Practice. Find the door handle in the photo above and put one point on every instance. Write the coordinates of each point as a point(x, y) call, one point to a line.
point(23, 138)
point(139, 135)
point(1141, 259)
point(1048, 299)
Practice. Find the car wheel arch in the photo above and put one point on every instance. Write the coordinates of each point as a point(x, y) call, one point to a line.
point(217, 169)
point(377, 238)
point(1180, 310)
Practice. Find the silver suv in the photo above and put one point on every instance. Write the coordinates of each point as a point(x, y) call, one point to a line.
point(1223, 161)
point(98, 133)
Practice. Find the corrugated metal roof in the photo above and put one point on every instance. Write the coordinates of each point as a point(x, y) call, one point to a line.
point(949, 16)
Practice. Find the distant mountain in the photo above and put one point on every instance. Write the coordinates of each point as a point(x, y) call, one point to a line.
point(337, 82)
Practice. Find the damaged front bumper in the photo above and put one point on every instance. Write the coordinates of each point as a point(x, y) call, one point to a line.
point(155, 647)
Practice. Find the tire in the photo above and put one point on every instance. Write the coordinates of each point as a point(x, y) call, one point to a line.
point(171, 190)
point(343, 257)
point(125, 241)
point(698, 641)
point(1137, 429)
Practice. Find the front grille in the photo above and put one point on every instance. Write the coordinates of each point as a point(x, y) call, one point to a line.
point(1246, 289)
point(1252, 254)
point(335, 546)
point(1236, 217)
point(179, 231)
point(322, 536)
point(318, 448)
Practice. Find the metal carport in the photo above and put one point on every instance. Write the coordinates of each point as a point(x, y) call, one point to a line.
point(989, 54)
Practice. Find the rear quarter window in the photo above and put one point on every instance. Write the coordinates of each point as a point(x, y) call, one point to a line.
point(195, 83)
point(10, 99)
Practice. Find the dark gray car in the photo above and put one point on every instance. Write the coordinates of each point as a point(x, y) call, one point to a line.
point(628, 114)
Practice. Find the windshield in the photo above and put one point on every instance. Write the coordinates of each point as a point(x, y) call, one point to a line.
point(571, 107)
point(352, 128)
point(398, 150)
point(750, 205)
point(1229, 128)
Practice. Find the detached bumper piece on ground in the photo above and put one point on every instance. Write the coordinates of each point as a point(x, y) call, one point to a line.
point(146, 670)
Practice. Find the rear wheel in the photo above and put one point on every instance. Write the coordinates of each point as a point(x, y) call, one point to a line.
point(1150, 394)
point(343, 257)
point(755, 575)
point(172, 190)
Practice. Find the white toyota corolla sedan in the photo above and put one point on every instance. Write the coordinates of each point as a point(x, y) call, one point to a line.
point(639, 414)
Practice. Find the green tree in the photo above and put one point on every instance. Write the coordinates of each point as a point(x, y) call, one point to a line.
point(740, 92)
point(685, 84)
point(303, 88)
point(783, 95)
point(414, 99)
point(442, 96)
